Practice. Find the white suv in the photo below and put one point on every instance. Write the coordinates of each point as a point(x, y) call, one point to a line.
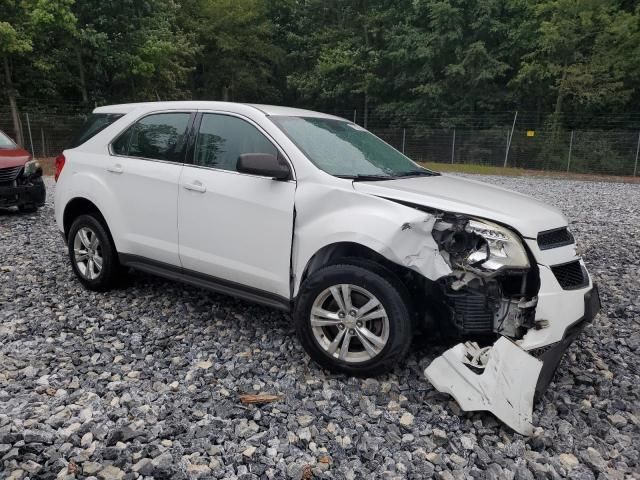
point(314, 215)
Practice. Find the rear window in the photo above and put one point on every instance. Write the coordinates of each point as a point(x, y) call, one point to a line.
point(94, 124)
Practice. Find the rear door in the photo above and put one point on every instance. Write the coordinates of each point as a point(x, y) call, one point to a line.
point(143, 172)
point(235, 226)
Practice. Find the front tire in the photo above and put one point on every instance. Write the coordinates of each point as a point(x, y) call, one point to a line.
point(93, 256)
point(353, 320)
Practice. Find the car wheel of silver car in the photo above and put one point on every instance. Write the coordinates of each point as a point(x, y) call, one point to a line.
point(92, 253)
point(352, 319)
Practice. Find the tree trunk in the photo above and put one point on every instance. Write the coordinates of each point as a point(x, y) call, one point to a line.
point(558, 110)
point(366, 79)
point(366, 108)
point(13, 104)
point(83, 83)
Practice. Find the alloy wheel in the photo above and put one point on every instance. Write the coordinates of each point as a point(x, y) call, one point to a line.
point(349, 323)
point(88, 253)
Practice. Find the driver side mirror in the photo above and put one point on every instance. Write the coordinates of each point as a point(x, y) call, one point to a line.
point(263, 164)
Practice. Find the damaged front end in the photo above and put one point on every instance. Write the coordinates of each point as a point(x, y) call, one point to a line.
point(493, 291)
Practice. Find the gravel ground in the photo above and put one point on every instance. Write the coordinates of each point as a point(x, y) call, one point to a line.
point(145, 380)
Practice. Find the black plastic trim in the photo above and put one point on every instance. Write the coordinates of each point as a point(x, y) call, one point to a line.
point(33, 193)
point(553, 354)
point(548, 246)
point(207, 282)
point(577, 286)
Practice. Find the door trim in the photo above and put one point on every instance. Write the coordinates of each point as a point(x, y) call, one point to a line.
point(204, 281)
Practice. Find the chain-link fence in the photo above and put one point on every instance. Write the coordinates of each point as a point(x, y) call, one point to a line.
point(612, 149)
point(44, 135)
point(579, 151)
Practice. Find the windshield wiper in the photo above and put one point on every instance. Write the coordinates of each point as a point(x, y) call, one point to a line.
point(417, 173)
point(366, 178)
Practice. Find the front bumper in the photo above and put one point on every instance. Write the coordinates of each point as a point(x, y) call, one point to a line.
point(33, 193)
point(551, 356)
point(516, 373)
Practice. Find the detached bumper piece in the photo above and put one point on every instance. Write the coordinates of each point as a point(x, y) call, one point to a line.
point(32, 193)
point(504, 379)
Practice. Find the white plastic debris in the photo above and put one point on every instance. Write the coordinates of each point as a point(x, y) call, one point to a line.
point(505, 387)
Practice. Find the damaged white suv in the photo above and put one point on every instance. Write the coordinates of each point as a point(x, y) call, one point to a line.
point(313, 214)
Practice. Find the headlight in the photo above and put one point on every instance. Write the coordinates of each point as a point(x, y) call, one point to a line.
point(31, 168)
point(505, 248)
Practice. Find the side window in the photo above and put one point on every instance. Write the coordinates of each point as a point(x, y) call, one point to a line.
point(158, 137)
point(223, 138)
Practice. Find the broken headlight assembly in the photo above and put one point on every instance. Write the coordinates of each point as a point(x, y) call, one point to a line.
point(32, 168)
point(504, 248)
point(481, 246)
point(489, 291)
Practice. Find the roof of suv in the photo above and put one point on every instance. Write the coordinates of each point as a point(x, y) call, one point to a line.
point(266, 109)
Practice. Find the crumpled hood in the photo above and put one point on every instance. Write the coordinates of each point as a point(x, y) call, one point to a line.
point(454, 194)
point(13, 157)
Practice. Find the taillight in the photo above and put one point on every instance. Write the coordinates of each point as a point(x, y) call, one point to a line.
point(59, 165)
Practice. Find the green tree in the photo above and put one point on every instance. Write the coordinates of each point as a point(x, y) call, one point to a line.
point(237, 56)
point(571, 55)
point(130, 50)
point(23, 24)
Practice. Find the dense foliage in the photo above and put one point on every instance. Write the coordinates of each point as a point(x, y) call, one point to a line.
point(404, 59)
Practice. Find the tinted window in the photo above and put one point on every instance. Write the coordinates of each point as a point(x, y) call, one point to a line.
point(93, 125)
point(159, 137)
point(223, 138)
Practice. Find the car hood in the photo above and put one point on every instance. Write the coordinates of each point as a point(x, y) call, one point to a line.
point(13, 157)
point(454, 194)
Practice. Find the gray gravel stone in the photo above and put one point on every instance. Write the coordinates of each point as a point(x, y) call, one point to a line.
point(144, 380)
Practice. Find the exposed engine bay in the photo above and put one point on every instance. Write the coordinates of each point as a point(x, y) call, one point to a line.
point(489, 291)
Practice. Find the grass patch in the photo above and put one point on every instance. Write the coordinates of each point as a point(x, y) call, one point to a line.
point(523, 172)
point(476, 169)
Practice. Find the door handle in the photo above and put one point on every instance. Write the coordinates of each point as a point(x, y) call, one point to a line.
point(195, 187)
point(117, 168)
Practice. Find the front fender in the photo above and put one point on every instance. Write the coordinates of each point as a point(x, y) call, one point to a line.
point(327, 214)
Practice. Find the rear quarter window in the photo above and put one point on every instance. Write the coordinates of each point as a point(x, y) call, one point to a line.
point(94, 124)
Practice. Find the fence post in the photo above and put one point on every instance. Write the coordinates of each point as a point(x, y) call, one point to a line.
point(635, 166)
point(453, 145)
point(404, 136)
point(509, 137)
point(43, 145)
point(355, 116)
point(30, 137)
point(570, 148)
point(506, 151)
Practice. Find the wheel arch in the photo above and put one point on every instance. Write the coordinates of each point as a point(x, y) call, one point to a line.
point(82, 206)
point(364, 256)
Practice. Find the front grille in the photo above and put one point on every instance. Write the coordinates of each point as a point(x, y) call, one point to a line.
point(558, 237)
point(571, 275)
point(8, 175)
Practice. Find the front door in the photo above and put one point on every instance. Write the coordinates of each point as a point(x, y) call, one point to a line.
point(234, 226)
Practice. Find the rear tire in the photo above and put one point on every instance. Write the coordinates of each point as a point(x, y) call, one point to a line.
point(351, 304)
point(93, 256)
